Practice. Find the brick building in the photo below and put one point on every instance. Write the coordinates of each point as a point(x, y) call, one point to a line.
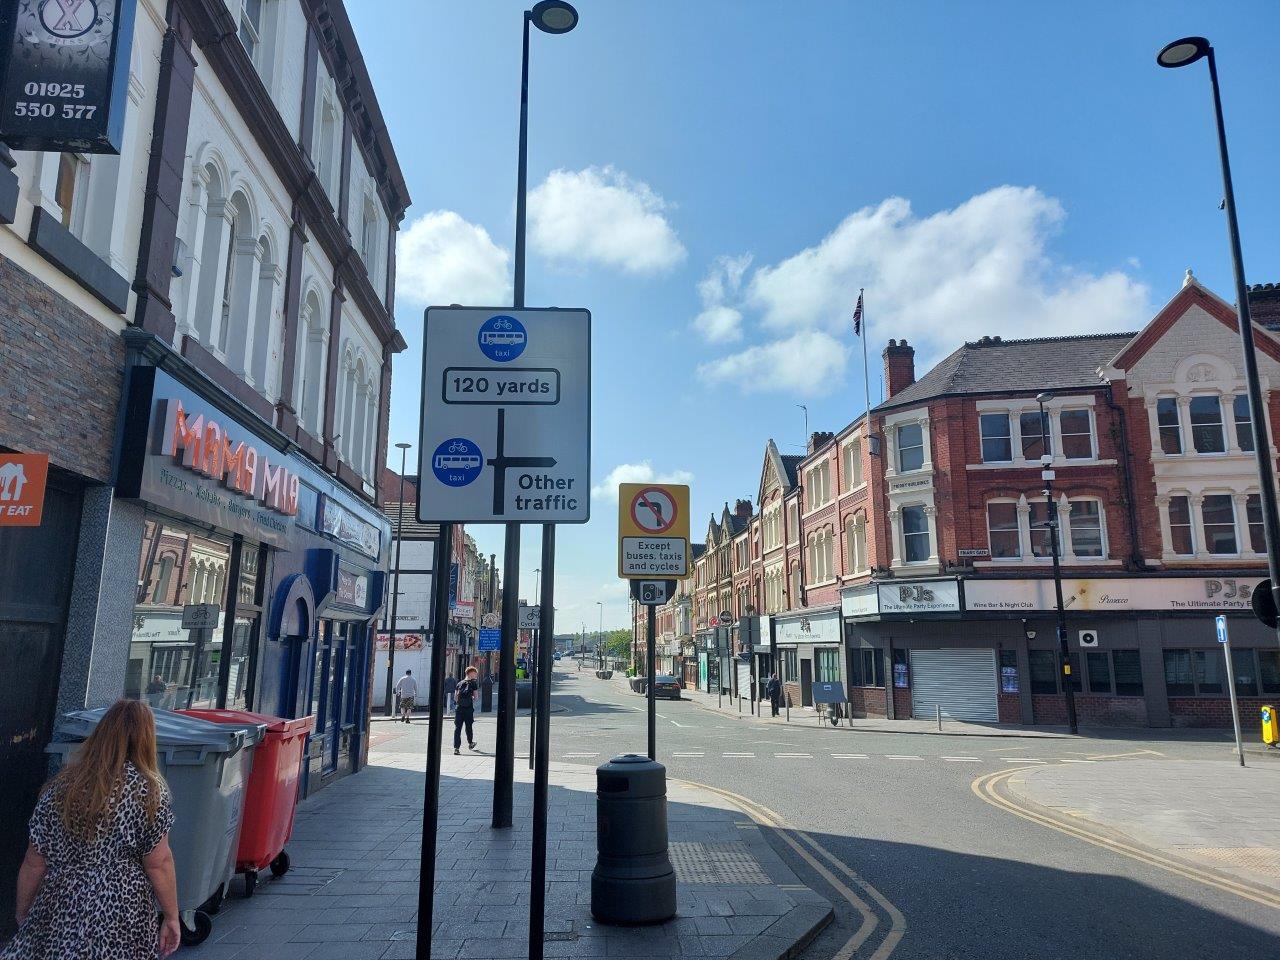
point(198, 332)
point(909, 551)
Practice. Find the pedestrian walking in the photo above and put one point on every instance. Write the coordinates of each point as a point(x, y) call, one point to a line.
point(98, 881)
point(773, 690)
point(450, 687)
point(406, 695)
point(465, 710)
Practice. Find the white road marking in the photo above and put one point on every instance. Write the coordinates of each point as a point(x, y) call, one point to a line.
point(897, 757)
point(567, 756)
point(737, 754)
point(682, 725)
point(808, 756)
point(1021, 760)
point(1065, 760)
point(849, 756)
point(687, 754)
point(962, 759)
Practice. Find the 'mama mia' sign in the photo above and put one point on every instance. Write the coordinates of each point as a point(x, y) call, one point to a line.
point(65, 73)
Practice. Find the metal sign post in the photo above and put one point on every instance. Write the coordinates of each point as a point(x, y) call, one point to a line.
point(651, 663)
point(435, 734)
point(542, 691)
point(1220, 622)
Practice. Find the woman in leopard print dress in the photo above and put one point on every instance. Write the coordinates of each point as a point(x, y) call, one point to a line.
point(98, 880)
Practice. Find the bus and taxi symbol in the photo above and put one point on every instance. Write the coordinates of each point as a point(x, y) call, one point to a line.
point(502, 338)
point(457, 462)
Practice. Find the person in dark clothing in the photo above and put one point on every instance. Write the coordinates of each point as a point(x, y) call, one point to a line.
point(773, 690)
point(450, 685)
point(464, 711)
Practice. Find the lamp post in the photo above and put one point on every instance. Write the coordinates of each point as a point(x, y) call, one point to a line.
point(1182, 53)
point(395, 586)
point(554, 17)
point(600, 628)
point(1051, 521)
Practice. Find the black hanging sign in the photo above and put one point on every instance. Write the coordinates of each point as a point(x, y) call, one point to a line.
point(65, 74)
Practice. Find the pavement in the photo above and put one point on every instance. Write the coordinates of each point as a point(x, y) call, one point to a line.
point(1216, 819)
point(352, 892)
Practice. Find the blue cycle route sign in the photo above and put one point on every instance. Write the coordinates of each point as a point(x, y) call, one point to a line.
point(502, 338)
point(457, 461)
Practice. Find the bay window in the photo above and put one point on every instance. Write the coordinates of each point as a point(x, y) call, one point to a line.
point(1077, 434)
point(1180, 526)
point(1219, 524)
point(1002, 530)
point(1206, 425)
point(910, 447)
point(1169, 426)
point(1036, 441)
point(1244, 422)
point(997, 446)
point(915, 534)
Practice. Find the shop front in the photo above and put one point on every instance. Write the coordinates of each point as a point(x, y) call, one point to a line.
point(808, 650)
point(259, 575)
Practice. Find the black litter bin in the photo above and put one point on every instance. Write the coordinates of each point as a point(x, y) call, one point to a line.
point(633, 881)
point(486, 694)
point(524, 694)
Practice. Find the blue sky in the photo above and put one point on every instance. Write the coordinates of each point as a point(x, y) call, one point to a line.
point(715, 180)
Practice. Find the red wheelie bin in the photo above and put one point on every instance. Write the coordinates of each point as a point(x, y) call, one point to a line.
point(272, 791)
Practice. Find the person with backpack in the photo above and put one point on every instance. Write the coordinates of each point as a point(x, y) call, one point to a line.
point(464, 711)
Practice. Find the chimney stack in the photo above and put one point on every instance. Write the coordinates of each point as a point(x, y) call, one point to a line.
point(899, 367)
point(818, 439)
point(744, 509)
point(1264, 305)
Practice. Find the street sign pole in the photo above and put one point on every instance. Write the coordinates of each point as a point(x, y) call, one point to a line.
point(1225, 639)
point(435, 735)
point(652, 672)
point(504, 767)
point(542, 689)
point(535, 677)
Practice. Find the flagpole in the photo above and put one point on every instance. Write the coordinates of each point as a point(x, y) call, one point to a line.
point(866, 380)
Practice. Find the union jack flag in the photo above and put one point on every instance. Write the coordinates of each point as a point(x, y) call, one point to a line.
point(857, 318)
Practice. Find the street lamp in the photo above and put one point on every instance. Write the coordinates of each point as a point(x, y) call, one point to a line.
point(600, 630)
point(395, 586)
point(1051, 511)
point(1182, 53)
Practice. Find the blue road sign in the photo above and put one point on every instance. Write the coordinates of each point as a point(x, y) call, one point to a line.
point(1221, 623)
point(502, 338)
point(457, 461)
point(490, 639)
point(453, 586)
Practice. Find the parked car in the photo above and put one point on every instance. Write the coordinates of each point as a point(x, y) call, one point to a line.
point(665, 685)
point(556, 655)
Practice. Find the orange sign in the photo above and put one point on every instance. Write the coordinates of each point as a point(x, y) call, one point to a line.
point(22, 479)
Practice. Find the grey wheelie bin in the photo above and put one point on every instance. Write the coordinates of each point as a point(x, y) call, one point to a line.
point(206, 766)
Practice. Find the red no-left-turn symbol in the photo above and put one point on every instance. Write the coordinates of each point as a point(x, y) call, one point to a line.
point(653, 510)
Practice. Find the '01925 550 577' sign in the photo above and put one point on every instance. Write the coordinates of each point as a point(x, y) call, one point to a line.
point(65, 74)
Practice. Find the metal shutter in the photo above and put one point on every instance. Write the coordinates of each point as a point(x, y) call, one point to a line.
point(744, 679)
point(962, 682)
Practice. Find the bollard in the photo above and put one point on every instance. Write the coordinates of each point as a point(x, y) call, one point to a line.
point(739, 702)
point(633, 881)
point(938, 709)
point(788, 708)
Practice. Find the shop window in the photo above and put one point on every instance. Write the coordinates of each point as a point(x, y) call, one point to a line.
point(1218, 515)
point(1036, 441)
point(1269, 671)
point(1178, 680)
point(1086, 528)
point(1244, 422)
point(1246, 674)
point(1077, 434)
point(910, 447)
point(1169, 426)
point(996, 444)
point(1127, 667)
point(1099, 665)
point(1008, 671)
point(1180, 526)
point(1206, 425)
point(1044, 671)
point(901, 668)
point(69, 189)
point(1002, 530)
point(1208, 668)
point(915, 534)
point(789, 662)
point(1253, 512)
point(866, 667)
point(826, 665)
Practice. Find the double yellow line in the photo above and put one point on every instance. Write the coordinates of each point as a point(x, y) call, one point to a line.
point(987, 787)
point(806, 847)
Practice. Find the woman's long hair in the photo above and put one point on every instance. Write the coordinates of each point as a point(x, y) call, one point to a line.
point(84, 787)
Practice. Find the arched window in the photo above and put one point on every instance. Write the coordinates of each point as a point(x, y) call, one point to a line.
point(360, 388)
point(370, 236)
point(209, 241)
point(312, 346)
point(262, 347)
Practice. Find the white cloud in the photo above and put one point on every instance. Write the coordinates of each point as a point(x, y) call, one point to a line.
point(983, 267)
point(808, 362)
point(600, 215)
point(719, 322)
point(443, 259)
point(642, 472)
